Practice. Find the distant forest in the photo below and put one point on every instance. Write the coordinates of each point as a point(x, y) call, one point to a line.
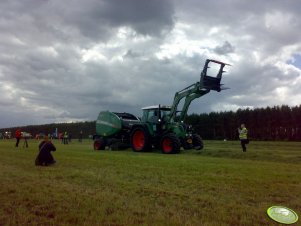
point(281, 123)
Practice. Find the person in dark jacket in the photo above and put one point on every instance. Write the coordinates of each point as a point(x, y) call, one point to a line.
point(44, 157)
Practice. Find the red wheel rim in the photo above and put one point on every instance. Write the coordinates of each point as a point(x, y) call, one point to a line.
point(138, 140)
point(167, 145)
point(96, 145)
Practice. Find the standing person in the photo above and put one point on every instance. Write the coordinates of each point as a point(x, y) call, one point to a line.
point(44, 157)
point(66, 137)
point(18, 137)
point(243, 136)
point(80, 138)
point(25, 144)
point(61, 137)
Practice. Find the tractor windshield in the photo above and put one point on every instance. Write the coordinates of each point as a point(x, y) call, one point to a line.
point(164, 112)
point(153, 115)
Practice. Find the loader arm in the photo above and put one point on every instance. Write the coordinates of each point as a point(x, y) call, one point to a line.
point(189, 93)
point(194, 91)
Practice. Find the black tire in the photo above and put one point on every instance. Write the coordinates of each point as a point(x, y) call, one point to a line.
point(197, 142)
point(186, 144)
point(170, 144)
point(99, 144)
point(140, 140)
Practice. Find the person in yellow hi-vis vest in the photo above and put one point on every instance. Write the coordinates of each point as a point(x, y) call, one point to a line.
point(66, 137)
point(243, 136)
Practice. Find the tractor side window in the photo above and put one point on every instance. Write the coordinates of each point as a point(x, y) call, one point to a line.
point(153, 116)
point(145, 116)
point(148, 115)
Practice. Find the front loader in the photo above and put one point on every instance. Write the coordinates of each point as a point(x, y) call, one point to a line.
point(163, 126)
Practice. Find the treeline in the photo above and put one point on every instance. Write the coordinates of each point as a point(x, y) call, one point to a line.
point(281, 123)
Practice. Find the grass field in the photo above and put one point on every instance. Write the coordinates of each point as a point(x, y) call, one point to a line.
point(219, 186)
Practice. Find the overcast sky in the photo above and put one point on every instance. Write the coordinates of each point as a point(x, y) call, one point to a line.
point(63, 61)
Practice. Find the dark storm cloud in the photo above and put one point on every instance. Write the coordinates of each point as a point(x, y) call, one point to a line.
point(95, 19)
point(224, 49)
point(131, 54)
point(72, 21)
point(146, 17)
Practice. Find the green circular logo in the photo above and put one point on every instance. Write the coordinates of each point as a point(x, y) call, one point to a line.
point(282, 214)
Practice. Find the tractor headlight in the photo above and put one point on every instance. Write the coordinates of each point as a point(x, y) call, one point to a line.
point(189, 141)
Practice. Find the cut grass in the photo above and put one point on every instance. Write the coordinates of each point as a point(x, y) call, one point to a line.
point(218, 186)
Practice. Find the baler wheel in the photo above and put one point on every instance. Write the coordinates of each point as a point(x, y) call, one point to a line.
point(99, 144)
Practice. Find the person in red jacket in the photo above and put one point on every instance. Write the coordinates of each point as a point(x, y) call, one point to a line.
point(18, 136)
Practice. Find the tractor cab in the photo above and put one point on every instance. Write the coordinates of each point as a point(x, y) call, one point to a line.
point(156, 118)
point(155, 114)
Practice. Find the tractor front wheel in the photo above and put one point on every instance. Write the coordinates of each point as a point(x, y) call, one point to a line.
point(170, 144)
point(140, 140)
point(197, 142)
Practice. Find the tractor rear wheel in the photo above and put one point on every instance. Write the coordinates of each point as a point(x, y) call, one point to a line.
point(99, 144)
point(170, 144)
point(197, 142)
point(140, 140)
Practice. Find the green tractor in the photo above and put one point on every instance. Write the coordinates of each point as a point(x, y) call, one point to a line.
point(161, 126)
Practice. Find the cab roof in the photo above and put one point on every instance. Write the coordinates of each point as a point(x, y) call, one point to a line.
point(163, 107)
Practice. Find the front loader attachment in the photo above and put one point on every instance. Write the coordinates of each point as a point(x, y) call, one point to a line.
point(212, 82)
point(196, 90)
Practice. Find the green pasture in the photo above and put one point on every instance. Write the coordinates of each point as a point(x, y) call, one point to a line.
point(218, 186)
